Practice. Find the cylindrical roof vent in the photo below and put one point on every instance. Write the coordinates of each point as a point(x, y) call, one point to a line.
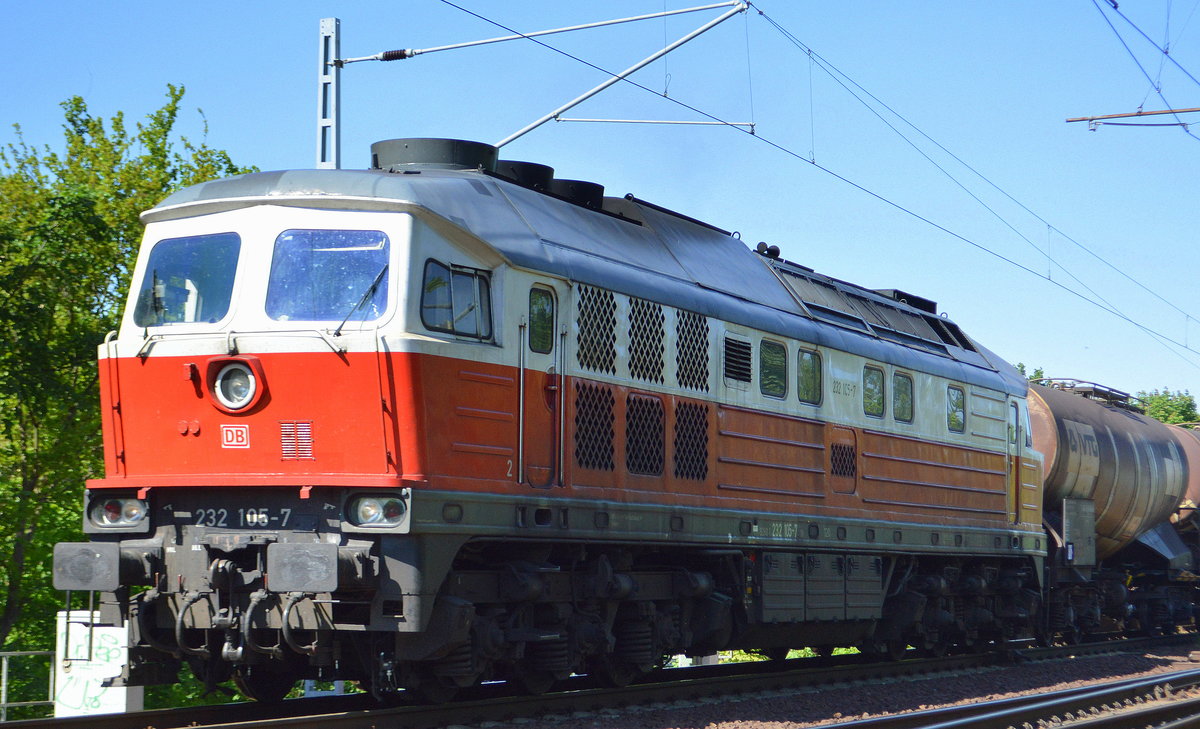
point(397, 155)
point(526, 174)
point(580, 192)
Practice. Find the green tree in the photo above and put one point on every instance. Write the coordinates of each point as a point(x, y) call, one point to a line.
point(1170, 407)
point(69, 232)
point(1037, 374)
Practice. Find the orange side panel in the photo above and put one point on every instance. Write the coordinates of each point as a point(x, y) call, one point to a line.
point(469, 414)
point(911, 475)
point(774, 457)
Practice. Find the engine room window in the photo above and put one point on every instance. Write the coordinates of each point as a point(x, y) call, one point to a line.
point(808, 377)
point(541, 321)
point(188, 280)
point(902, 397)
point(772, 369)
point(873, 391)
point(956, 409)
point(456, 300)
point(328, 275)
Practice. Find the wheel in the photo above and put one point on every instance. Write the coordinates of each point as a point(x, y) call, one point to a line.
point(533, 681)
point(616, 673)
point(427, 687)
point(433, 690)
point(266, 685)
point(895, 650)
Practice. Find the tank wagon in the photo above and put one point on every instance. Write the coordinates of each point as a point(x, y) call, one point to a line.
point(453, 419)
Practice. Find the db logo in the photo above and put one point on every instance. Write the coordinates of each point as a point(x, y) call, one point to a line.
point(235, 436)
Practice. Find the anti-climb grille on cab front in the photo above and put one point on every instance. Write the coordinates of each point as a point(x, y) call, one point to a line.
point(296, 440)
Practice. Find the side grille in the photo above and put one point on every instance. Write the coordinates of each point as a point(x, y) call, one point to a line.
point(594, 426)
point(691, 441)
point(597, 338)
point(296, 440)
point(842, 460)
point(646, 341)
point(691, 354)
point(644, 435)
point(737, 360)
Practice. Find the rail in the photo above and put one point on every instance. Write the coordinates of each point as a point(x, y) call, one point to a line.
point(493, 702)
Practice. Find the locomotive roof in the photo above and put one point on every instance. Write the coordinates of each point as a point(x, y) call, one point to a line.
point(634, 248)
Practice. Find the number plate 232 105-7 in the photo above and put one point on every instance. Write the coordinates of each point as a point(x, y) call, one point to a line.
point(262, 517)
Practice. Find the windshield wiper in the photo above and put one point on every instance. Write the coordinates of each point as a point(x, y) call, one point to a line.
point(157, 308)
point(365, 297)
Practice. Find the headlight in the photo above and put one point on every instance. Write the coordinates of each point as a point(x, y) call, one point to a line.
point(234, 386)
point(117, 512)
point(377, 511)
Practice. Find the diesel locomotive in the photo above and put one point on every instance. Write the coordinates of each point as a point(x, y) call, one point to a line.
point(452, 419)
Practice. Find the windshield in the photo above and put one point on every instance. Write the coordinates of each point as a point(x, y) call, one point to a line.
point(321, 275)
point(188, 280)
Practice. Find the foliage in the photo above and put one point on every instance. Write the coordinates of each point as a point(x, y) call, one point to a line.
point(68, 239)
point(1170, 407)
point(1037, 374)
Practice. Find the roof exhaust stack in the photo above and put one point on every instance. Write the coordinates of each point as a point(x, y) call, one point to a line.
point(400, 155)
point(586, 194)
point(526, 174)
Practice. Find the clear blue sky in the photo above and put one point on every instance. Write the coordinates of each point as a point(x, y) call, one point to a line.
point(991, 82)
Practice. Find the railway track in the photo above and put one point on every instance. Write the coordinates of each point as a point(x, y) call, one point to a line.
point(494, 702)
point(1163, 700)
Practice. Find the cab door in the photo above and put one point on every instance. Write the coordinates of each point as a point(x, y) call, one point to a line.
point(1015, 440)
point(541, 389)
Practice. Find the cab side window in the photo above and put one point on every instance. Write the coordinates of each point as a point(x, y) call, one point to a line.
point(456, 300)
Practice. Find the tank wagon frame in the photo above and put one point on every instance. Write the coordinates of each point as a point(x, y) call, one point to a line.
point(452, 419)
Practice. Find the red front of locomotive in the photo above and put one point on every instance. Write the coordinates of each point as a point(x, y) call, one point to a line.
point(246, 356)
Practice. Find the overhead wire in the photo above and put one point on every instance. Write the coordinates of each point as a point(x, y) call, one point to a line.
point(1157, 88)
point(1157, 47)
point(1103, 306)
point(843, 79)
